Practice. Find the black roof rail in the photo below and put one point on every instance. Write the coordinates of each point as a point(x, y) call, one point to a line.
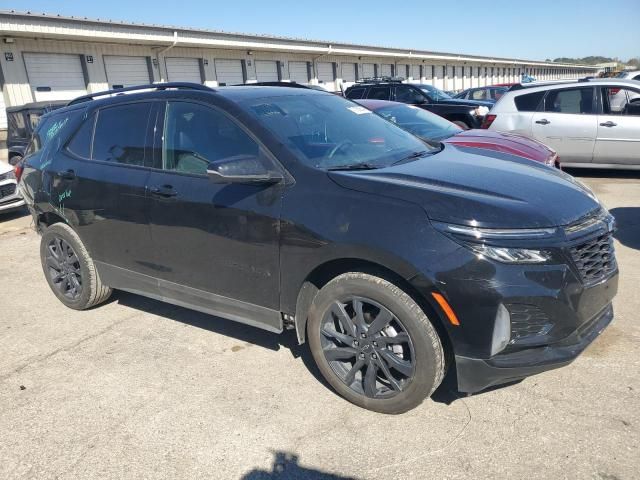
point(156, 86)
point(381, 80)
point(271, 84)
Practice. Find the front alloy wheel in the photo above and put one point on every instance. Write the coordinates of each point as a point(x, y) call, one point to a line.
point(63, 267)
point(367, 347)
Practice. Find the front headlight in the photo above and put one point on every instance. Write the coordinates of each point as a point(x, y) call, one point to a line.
point(476, 238)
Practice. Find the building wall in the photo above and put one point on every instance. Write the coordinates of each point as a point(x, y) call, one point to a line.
point(442, 74)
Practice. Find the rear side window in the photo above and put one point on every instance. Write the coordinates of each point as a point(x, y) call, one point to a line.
point(572, 100)
point(80, 143)
point(121, 134)
point(356, 93)
point(407, 94)
point(49, 134)
point(380, 93)
point(529, 102)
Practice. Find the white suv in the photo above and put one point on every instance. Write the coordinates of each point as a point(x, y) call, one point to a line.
point(10, 197)
point(593, 123)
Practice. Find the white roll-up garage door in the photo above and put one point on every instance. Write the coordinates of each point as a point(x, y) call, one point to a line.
point(183, 69)
point(325, 72)
point(415, 72)
point(401, 71)
point(385, 70)
point(124, 71)
point(229, 72)
point(266, 71)
point(348, 72)
point(368, 70)
point(3, 113)
point(54, 76)
point(298, 72)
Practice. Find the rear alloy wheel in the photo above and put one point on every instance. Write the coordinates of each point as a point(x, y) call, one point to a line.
point(69, 270)
point(374, 344)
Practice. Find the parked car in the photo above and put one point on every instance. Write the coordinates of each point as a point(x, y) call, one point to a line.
point(485, 94)
point(10, 198)
point(294, 208)
point(629, 75)
point(21, 121)
point(594, 123)
point(464, 113)
point(435, 129)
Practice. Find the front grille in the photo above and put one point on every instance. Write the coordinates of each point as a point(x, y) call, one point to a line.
point(6, 190)
point(594, 259)
point(527, 321)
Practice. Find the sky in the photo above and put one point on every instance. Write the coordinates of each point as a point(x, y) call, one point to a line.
point(534, 29)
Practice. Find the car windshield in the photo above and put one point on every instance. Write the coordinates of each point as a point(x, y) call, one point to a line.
point(329, 132)
point(425, 125)
point(433, 92)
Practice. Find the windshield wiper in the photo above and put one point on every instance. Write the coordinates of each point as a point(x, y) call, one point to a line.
point(412, 156)
point(354, 166)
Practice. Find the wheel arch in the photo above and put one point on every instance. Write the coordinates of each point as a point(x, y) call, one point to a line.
point(330, 269)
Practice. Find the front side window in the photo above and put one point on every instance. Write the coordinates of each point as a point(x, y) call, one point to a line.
point(620, 101)
point(479, 94)
point(380, 93)
point(326, 131)
point(121, 134)
point(572, 100)
point(407, 94)
point(434, 93)
point(196, 135)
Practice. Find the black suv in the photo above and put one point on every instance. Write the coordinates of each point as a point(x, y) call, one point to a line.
point(464, 113)
point(293, 208)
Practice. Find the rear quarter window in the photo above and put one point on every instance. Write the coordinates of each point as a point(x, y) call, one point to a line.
point(49, 136)
point(356, 93)
point(529, 102)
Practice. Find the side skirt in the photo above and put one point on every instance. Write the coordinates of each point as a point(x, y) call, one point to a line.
point(192, 298)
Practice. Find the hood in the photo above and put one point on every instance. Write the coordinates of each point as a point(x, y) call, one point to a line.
point(504, 142)
point(5, 167)
point(495, 190)
point(463, 102)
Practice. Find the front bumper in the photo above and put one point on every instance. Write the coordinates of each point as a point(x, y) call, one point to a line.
point(10, 197)
point(477, 374)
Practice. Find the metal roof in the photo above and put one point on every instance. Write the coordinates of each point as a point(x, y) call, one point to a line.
point(382, 50)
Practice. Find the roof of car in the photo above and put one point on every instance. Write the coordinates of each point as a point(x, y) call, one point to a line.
point(244, 92)
point(530, 87)
point(37, 105)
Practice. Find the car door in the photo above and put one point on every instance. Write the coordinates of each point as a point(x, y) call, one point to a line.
point(410, 95)
point(618, 139)
point(568, 123)
point(216, 246)
point(99, 186)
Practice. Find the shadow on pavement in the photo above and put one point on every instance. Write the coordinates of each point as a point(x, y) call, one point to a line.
point(14, 214)
point(222, 326)
point(628, 223)
point(285, 466)
point(602, 173)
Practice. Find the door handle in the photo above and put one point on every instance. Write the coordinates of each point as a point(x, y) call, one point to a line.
point(163, 191)
point(67, 174)
point(608, 124)
point(544, 121)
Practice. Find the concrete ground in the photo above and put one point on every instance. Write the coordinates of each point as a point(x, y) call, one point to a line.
point(140, 389)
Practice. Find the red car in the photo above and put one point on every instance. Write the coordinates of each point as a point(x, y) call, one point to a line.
point(433, 128)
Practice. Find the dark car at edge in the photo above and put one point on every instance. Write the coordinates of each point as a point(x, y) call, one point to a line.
point(466, 114)
point(292, 208)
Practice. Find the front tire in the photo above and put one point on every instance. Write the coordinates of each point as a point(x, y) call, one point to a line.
point(69, 270)
point(374, 344)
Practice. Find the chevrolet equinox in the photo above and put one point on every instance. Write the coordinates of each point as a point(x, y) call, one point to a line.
point(293, 208)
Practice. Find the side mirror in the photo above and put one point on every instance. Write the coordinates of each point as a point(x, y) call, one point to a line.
point(421, 101)
point(244, 169)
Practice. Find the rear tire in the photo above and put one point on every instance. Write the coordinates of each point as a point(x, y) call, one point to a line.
point(374, 344)
point(69, 270)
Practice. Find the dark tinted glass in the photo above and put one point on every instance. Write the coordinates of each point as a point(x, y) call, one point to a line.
point(48, 136)
point(120, 134)
point(620, 101)
point(356, 93)
point(16, 125)
point(196, 135)
point(529, 102)
point(80, 143)
point(572, 100)
point(407, 94)
point(380, 93)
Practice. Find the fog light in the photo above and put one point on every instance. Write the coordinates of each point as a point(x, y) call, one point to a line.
point(501, 330)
